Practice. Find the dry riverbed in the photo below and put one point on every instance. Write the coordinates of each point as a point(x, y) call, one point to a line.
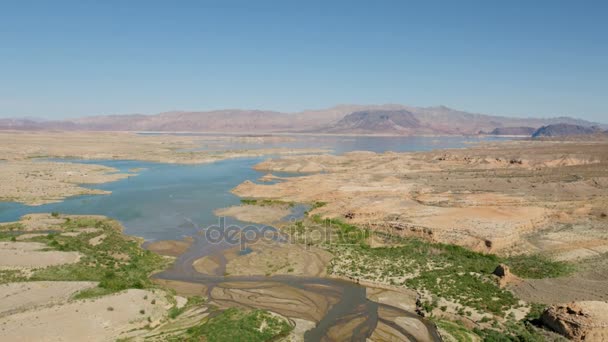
point(68, 277)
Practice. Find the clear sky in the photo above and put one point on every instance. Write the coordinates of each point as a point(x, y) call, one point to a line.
point(523, 58)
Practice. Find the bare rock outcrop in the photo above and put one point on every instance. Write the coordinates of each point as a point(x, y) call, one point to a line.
point(504, 275)
point(579, 321)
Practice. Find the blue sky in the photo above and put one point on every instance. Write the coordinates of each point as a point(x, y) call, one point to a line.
point(522, 58)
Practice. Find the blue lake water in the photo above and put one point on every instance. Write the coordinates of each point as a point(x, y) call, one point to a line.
point(164, 201)
point(168, 201)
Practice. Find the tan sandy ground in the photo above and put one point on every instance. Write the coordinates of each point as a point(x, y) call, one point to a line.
point(208, 265)
point(267, 215)
point(398, 297)
point(125, 146)
point(588, 283)
point(102, 319)
point(301, 327)
point(170, 247)
point(182, 287)
point(47, 222)
point(556, 290)
point(38, 182)
point(16, 297)
point(19, 255)
point(486, 198)
point(273, 258)
point(288, 301)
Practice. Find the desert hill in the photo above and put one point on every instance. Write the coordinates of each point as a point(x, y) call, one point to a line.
point(563, 129)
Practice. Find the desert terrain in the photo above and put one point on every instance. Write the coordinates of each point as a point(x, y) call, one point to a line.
point(495, 239)
point(488, 198)
point(539, 206)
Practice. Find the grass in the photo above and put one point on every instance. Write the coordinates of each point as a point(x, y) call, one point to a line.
point(315, 205)
point(238, 325)
point(458, 331)
point(441, 270)
point(11, 276)
point(344, 233)
point(537, 267)
point(7, 236)
point(267, 202)
point(117, 263)
point(7, 227)
point(446, 271)
point(511, 331)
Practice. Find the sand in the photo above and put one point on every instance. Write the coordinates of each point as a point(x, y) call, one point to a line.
point(102, 319)
point(31, 255)
point(276, 297)
point(267, 215)
point(18, 297)
point(278, 258)
point(37, 182)
point(164, 148)
point(172, 248)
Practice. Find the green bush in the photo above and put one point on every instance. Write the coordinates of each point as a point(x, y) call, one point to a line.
point(238, 325)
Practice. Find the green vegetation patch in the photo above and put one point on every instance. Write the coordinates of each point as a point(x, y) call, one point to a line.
point(267, 202)
point(117, 262)
point(538, 266)
point(11, 276)
point(239, 325)
point(445, 271)
point(343, 233)
point(458, 331)
point(512, 331)
point(8, 227)
point(314, 206)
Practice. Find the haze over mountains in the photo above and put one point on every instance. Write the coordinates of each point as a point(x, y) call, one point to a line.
point(344, 119)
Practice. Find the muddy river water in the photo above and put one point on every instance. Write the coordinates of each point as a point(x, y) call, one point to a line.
point(172, 202)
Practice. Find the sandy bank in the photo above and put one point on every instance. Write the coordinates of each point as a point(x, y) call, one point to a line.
point(267, 215)
point(19, 255)
point(38, 182)
point(165, 148)
point(102, 319)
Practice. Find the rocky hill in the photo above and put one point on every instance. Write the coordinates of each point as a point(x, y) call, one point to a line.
point(378, 121)
point(563, 129)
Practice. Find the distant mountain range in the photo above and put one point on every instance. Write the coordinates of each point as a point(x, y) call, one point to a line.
point(560, 130)
point(347, 119)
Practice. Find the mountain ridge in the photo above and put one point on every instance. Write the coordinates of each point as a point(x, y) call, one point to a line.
point(356, 119)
